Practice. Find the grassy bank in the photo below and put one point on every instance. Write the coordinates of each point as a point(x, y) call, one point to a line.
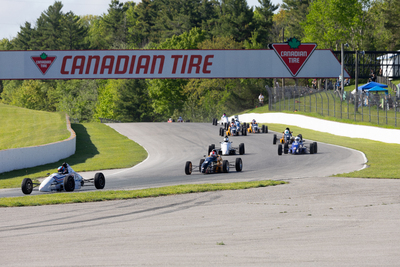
point(98, 147)
point(21, 127)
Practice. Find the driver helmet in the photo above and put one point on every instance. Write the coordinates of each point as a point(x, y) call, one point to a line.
point(61, 169)
point(226, 139)
point(286, 131)
point(297, 139)
point(214, 153)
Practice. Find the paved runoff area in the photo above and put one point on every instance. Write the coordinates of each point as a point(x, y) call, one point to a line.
point(311, 221)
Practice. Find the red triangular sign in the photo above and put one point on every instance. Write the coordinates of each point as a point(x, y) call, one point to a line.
point(294, 58)
point(43, 62)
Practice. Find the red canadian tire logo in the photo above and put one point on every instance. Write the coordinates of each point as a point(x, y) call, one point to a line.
point(293, 54)
point(43, 62)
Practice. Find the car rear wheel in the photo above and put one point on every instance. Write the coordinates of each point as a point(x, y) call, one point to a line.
point(69, 183)
point(225, 166)
point(312, 148)
point(315, 148)
point(27, 186)
point(188, 168)
point(238, 164)
point(99, 180)
point(241, 148)
point(274, 139)
point(280, 149)
point(286, 148)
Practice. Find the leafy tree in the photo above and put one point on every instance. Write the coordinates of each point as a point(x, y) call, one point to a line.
point(50, 28)
point(74, 33)
point(116, 23)
point(24, 38)
point(77, 98)
point(235, 20)
point(332, 22)
point(262, 20)
point(168, 94)
point(133, 103)
point(391, 13)
point(296, 12)
point(144, 31)
point(32, 94)
point(107, 98)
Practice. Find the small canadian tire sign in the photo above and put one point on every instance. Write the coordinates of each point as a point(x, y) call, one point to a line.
point(43, 62)
point(294, 54)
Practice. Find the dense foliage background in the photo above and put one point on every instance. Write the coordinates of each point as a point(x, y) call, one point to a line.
point(187, 24)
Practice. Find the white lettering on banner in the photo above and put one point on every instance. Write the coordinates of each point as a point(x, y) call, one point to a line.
point(143, 64)
point(293, 53)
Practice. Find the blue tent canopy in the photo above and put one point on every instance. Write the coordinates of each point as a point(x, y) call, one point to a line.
point(378, 89)
point(371, 85)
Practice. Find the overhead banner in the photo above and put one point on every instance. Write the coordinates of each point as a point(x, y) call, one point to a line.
point(168, 64)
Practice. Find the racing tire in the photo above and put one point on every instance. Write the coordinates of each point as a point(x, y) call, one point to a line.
point(238, 164)
point(188, 168)
point(266, 129)
point(225, 166)
point(69, 183)
point(312, 148)
point(214, 121)
point(315, 148)
point(274, 139)
point(27, 186)
point(221, 131)
point(263, 129)
point(99, 180)
point(285, 148)
point(241, 148)
point(210, 148)
point(201, 163)
point(280, 149)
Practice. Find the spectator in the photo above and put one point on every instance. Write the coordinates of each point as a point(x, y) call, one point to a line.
point(261, 99)
point(372, 76)
point(314, 84)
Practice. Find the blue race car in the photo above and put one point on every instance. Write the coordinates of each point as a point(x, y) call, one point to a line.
point(297, 147)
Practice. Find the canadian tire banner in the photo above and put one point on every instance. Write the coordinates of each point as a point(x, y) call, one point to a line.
point(293, 54)
point(167, 64)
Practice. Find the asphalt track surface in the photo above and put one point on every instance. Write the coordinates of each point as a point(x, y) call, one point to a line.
point(315, 220)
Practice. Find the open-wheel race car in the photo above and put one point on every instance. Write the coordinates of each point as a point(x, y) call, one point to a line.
point(207, 166)
point(297, 147)
point(67, 180)
point(227, 148)
point(253, 127)
point(233, 129)
point(286, 137)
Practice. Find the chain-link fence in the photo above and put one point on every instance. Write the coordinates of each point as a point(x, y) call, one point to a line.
point(377, 107)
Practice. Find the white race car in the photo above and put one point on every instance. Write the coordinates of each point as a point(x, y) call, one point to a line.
point(68, 181)
point(227, 148)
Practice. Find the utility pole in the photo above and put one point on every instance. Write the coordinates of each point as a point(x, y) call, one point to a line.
point(356, 83)
point(342, 71)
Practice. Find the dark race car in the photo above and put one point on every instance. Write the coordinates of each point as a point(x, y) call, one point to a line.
point(297, 147)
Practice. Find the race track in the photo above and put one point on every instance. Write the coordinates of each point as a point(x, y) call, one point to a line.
point(314, 220)
point(170, 145)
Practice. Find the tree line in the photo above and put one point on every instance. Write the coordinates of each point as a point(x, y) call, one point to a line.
point(188, 24)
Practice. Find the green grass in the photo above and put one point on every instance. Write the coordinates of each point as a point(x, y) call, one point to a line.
point(97, 147)
point(94, 140)
point(64, 198)
point(22, 127)
point(382, 157)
